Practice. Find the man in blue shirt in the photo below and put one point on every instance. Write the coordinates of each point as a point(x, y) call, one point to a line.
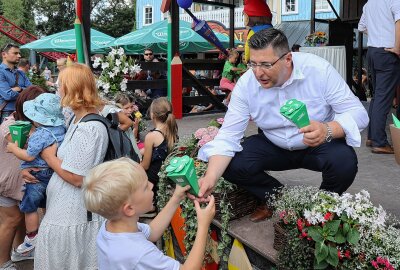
point(12, 80)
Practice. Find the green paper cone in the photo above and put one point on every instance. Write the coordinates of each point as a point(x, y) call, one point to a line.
point(296, 112)
point(181, 170)
point(396, 121)
point(19, 132)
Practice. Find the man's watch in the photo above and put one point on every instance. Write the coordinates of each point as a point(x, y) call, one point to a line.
point(329, 134)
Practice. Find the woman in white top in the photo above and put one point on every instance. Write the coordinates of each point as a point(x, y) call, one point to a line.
point(67, 240)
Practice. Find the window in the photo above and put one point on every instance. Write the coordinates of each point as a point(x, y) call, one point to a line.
point(289, 6)
point(322, 5)
point(148, 15)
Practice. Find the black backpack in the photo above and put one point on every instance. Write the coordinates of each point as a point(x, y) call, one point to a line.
point(119, 144)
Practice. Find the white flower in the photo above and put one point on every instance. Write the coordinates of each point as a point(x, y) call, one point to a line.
point(125, 80)
point(116, 70)
point(113, 52)
point(105, 65)
point(106, 87)
point(135, 68)
point(117, 62)
point(121, 51)
point(97, 62)
point(111, 74)
point(125, 70)
point(123, 86)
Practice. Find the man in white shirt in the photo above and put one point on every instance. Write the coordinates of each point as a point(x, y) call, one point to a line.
point(381, 21)
point(275, 76)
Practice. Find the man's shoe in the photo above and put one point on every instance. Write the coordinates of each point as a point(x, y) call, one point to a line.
point(383, 150)
point(368, 143)
point(261, 213)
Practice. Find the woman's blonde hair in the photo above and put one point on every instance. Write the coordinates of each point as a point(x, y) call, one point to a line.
point(109, 185)
point(161, 109)
point(79, 87)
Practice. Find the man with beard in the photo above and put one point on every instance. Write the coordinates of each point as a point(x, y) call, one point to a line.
point(12, 80)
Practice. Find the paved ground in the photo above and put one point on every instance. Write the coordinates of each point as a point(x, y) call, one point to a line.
point(379, 174)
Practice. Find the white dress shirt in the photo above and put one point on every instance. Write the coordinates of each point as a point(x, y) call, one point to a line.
point(313, 81)
point(378, 21)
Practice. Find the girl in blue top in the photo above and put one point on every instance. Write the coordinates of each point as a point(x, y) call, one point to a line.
point(46, 115)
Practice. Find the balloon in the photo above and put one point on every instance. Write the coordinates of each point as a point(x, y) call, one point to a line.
point(184, 3)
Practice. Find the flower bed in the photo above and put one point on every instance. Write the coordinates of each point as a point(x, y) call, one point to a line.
point(324, 230)
point(231, 201)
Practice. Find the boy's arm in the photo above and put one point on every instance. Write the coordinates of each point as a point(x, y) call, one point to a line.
point(204, 218)
point(160, 223)
point(21, 154)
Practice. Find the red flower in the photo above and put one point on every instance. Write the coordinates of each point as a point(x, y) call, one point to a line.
point(304, 234)
point(328, 216)
point(300, 224)
point(339, 254)
point(347, 254)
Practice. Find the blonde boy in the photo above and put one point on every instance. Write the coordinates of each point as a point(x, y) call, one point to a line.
point(120, 191)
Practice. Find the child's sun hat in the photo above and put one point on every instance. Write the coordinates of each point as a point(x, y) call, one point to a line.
point(45, 110)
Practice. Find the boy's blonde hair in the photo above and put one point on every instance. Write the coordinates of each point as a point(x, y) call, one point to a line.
point(109, 185)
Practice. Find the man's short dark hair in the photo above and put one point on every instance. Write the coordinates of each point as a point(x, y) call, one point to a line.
point(270, 37)
point(8, 46)
point(148, 49)
point(23, 62)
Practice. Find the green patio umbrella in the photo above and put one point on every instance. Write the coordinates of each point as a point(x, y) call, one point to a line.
point(155, 36)
point(66, 42)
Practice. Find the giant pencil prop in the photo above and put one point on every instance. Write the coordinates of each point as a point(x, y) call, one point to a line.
point(202, 28)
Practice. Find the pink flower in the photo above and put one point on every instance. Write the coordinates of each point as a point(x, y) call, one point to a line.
point(220, 120)
point(201, 143)
point(200, 132)
point(282, 214)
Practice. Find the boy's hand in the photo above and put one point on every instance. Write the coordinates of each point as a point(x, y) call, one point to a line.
point(180, 192)
point(205, 215)
point(12, 146)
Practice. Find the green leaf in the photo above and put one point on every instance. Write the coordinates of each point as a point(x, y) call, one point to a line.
point(321, 265)
point(339, 237)
point(331, 238)
point(353, 236)
point(346, 228)
point(315, 234)
point(321, 251)
point(333, 258)
point(332, 226)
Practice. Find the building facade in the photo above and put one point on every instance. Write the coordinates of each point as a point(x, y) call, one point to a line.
point(285, 13)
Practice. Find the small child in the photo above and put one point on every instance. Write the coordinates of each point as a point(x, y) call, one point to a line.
point(229, 72)
point(242, 65)
point(46, 115)
point(127, 104)
point(160, 140)
point(119, 191)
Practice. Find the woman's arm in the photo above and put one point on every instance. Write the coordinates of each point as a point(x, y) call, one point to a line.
point(148, 150)
point(49, 155)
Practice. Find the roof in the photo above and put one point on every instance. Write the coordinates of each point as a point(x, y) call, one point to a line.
point(296, 31)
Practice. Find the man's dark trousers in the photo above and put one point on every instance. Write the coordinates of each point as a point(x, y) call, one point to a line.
point(385, 74)
point(336, 160)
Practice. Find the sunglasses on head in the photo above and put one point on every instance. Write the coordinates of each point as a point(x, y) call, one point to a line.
point(147, 54)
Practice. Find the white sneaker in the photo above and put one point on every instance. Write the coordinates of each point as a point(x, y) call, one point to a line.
point(17, 257)
point(27, 245)
point(8, 266)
